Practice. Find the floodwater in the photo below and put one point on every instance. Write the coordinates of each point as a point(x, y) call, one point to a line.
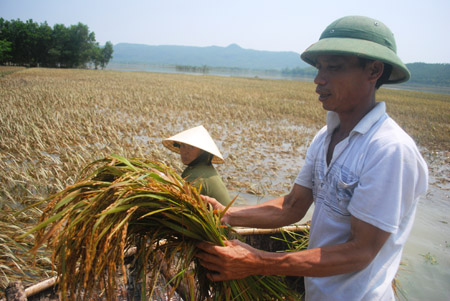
point(425, 270)
point(233, 72)
point(267, 74)
point(425, 273)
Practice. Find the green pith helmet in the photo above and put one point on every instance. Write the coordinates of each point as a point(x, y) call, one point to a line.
point(363, 37)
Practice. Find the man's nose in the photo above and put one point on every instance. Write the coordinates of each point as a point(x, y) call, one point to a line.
point(319, 79)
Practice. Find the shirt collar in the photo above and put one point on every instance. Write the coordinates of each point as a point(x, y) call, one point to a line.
point(363, 125)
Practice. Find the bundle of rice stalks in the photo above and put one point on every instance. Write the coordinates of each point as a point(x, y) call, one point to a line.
point(121, 203)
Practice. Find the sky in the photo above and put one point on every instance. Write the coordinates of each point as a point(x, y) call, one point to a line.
point(421, 28)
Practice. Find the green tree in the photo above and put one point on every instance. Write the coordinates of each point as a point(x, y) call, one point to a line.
point(5, 51)
point(81, 42)
point(22, 35)
point(106, 54)
point(5, 44)
point(43, 44)
point(101, 56)
point(96, 56)
point(32, 44)
point(58, 56)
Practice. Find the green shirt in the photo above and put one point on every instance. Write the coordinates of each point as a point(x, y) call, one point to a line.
point(210, 181)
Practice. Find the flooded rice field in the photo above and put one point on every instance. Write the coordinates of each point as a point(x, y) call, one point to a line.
point(53, 122)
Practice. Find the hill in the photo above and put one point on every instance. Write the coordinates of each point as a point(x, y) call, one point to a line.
point(430, 74)
point(283, 64)
point(232, 56)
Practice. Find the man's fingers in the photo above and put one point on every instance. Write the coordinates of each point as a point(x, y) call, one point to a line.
point(215, 203)
point(208, 199)
point(215, 277)
point(208, 261)
point(209, 266)
point(208, 256)
point(206, 246)
point(224, 262)
point(204, 197)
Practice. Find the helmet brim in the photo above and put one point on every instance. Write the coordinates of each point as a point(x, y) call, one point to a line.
point(360, 48)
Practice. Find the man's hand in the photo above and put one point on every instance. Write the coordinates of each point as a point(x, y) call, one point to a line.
point(214, 203)
point(216, 206)
point(236, 260)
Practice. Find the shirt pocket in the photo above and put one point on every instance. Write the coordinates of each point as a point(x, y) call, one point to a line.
point(344, 191)
point(338, 201)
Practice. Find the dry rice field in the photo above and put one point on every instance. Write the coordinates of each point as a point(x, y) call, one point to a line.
point(53, 122)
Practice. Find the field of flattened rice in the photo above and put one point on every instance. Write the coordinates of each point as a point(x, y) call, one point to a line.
point(53, 122)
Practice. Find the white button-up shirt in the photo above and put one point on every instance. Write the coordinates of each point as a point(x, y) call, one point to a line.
point(376, 174)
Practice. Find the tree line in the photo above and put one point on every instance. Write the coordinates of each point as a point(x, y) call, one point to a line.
point(32, 44)
point(194, 69)
point(430, 74)
point(299, 72)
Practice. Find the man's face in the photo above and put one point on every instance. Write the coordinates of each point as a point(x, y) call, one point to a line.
point(342, 83)
point(189, 153)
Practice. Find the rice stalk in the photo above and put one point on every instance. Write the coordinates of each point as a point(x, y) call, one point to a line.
point(294, 241)
point(119, 203)
point(14, 256)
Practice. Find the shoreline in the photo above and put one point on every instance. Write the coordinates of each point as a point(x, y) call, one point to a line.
point(260, 74)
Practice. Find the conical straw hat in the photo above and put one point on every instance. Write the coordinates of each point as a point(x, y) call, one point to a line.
point(198, 137)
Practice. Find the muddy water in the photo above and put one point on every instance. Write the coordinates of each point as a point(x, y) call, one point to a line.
point(425, 273)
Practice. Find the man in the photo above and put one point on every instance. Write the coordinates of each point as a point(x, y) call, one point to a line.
point(363, 173)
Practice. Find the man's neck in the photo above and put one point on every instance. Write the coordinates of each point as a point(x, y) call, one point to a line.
point(347, 123)
point(348, 120)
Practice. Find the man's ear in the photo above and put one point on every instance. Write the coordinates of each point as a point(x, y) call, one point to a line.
point(376, 69)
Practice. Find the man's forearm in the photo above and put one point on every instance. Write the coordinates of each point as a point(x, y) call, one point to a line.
point(269, 214)
point(237, 260)
point(320, 262)
point(363, 245)
point(275, 213)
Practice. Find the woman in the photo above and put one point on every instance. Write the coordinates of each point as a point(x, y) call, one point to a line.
point(198, 151)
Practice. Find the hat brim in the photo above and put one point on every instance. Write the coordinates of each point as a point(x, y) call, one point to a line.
point(360, 48)
point(169, 143)
point(197, 137)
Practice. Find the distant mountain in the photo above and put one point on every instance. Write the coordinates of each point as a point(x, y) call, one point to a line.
point(232, 56)
point(288, 64)
point(431, 74)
